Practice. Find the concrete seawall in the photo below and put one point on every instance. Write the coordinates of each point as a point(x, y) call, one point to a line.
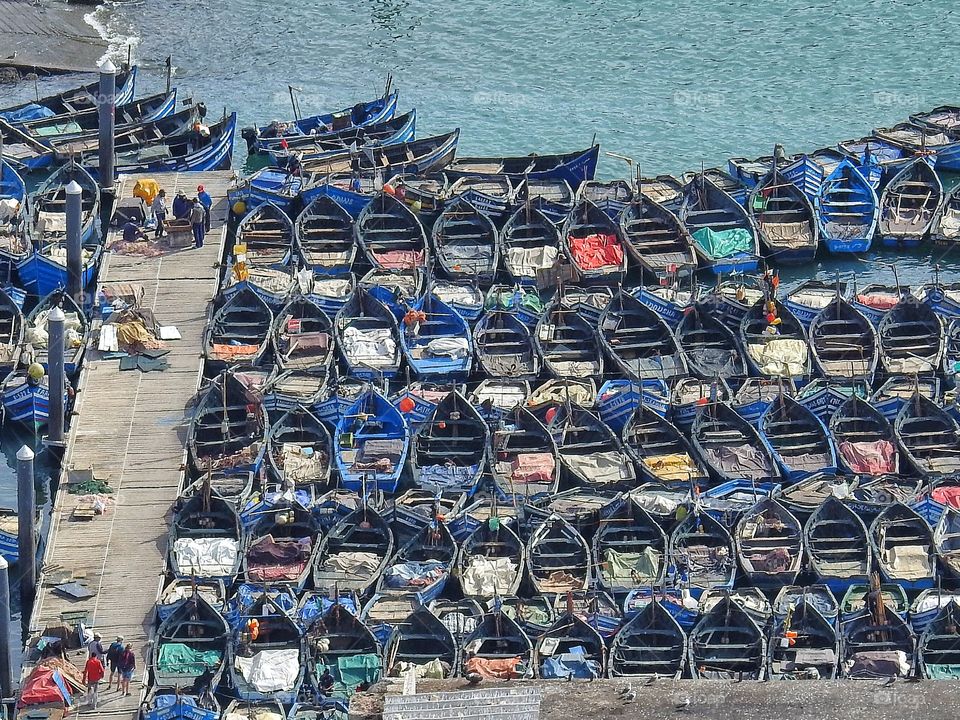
point(48, 37)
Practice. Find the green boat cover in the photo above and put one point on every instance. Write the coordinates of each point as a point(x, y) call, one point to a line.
point(943, 672)
point(349, 672)
point(180, 659)
point(631, 567)
point(725, 242)
point(507, 300)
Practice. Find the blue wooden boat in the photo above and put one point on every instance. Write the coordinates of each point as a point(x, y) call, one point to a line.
point(494, 195)
point(656, 239)
point(569, 649)
point(341, 393)
point(629, 549)
point(896, 390)
point(299, 452)
point(908, 205)
point(824, 396)
point(681, 606)
point(611, 196)
point(730, 446)
point(436, 340)
point(417, 401)
point(804, 643)
point(857, 598)
point(302, 338)
point(945, 227)
point(463, 295)
point(261, 258)
point(399, 129)
point(798, 438)
point(689, 394)
point(594, 244)
point(711, 349)
point(943, 146)
point(76, 326)
point(929, 437)
point(524, 301)
point(723, 180)
point(876, 300)
point(701, 555)
point(371, 444)
point(661, 452)
point(421, 638)
point(367, 337)
point(730, 300)
point(936, 648)
point(174, 704)
point(652, 644)
point(903, 546)
point(205, 537)
point(617, 399)
point(395, 289)
point(591, 454)
point(574, 167)
point(944, 298)
point(12, 332)
point(179, 591)
point(864, 438)
point(911, 339)
point(551, 196)
point(567, 342)
point(421, 568)
point(45, 269)
point(323, 238)
point(189, 643)
point(848, 210)
point(14, 245)
point(867, 636)
point(808, 172)
point(775, 349)
point(769, 544)
point(755, 395)
point(73, 100)
point(341, 642)
point(808, 297)
point(785, 220)
point(558, 558)
point(843, 342)
point(391, 235)
point(750, 172)
point(239, 331)
point(723, 234)
point(728, 501)
point(504, 347)
point(638, 341)
point(26, 401)
point(466, 243)
point(529, 244)
point(362, 114)
point(416, 156)
point(838, 551)
point(670, 301)
point(523, 457)
point(449, 451)
point(362, 531)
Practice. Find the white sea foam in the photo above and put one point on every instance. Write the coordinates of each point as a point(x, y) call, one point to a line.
point(107, 20)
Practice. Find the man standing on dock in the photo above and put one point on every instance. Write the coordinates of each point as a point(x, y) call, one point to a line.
point(204, 197)
point(92, 675)
point(197, 214)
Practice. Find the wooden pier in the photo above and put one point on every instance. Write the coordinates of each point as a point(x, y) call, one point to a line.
point(129, 430)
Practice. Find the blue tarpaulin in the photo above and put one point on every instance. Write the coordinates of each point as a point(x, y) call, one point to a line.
point(573, 663)
point(26, 114)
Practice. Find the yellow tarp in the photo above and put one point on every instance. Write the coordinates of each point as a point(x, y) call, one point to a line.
point(673, 467)
point(780, 357)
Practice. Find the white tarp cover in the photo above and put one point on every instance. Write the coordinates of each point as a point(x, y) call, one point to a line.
point(526, 261)
point(455, 294)
point(271, 670)
point(36, 333)
point(559, 392)
point(206, 557)
point(448, 347)
point(780, 357)
point(486, 577)
point(372, 347)
point(329, 287)
point(360, 564)
point(599, 468)
point(909, 561)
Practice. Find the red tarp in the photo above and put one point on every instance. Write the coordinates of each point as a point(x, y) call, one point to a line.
point(870, 458)
point(947, 496)
point(399, 259)
point(40, 688)
point(595, 251)
point(494, 669)
point(878, 301)
point(533, 467)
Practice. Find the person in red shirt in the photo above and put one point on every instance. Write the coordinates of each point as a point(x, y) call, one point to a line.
point(92, 675)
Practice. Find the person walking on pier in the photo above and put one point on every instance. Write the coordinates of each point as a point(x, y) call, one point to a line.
point(92, 675)
point(204, 197)
point(128, 663)
point(113, 659)
point(160, 212)
point(197, 214)
point(95, 647)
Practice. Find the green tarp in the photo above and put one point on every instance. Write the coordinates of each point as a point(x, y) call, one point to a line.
point(631, 567)
point(180, 659)
point(943, 672)
point(349, 672)
point(724, 243)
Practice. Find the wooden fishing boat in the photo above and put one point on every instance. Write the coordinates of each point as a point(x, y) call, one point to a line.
point(727, 644)
point(190, 642)
point(176, 593)
point(590, 453)
point(702, 551)
point(299, 452)
point(711, 349)
point(534, 614)
point(436, 340)
point(823, 396)
point(671, 302)
point(809, 297)
point(662, 453)
point(355, 553)
point(569, 649)
point(877, 644)
point(498, 648)
point(424, 644)
point(492, 195)
point(652, 644)
point(876, 159)
point(339, 641)
point(449, 451)
point(799, 440)
point(280, 544)
point(859, 597)
point(638, 341)
point(775, 349)
point(785, 220)
point(804, 497)
point(463, 295)
point(491, 561)
point(847, 210)
point(416, 156)
point(943, 147)
point(45, 268)
point(460, 617)
point(367, 337)
point(756, 395)
point(495, 398)
point(929, 437)
point(946, 538)
point(239, 332)
point(664, 189)
point(611, 196)
point(266, 709)
point(14, 217)
point(421, 568)
point(876, 299)
point(558, 558)
point(908, 205)
point(843, 342)
point(937, 652)
point(505, 347)
point(730, 446)
point(523, 456)
point(689, 394)
point(594, 245)
point(731, 300)
point(903, 546)
point(567, 343)
point(804, 645)
point(261, 257)
point(529, 244)
point(205, 537)
point(894, 394)
point(396, 288)
point(390, 235)
point(57, 127)
point(820, 597)
point(574, 167)
point(769, 543)
point(838, 552)
point(751, 599)
point(911, 338)
point(12, 332)
point(228, 428)
point(865, 439)
point(302, 338)
point(73, 100)
point(328, 292)
point(629, 548)
point(723, 235)
point(324, 237)
point(656, 239)
point(945, 227)
point(552, 196)
point(267, 656)
point(371, 444)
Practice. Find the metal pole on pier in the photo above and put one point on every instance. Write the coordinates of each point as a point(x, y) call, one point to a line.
point(107, 120)
point(74, 248)
point(55, 322)
point(6, 647)
point(26, 516)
